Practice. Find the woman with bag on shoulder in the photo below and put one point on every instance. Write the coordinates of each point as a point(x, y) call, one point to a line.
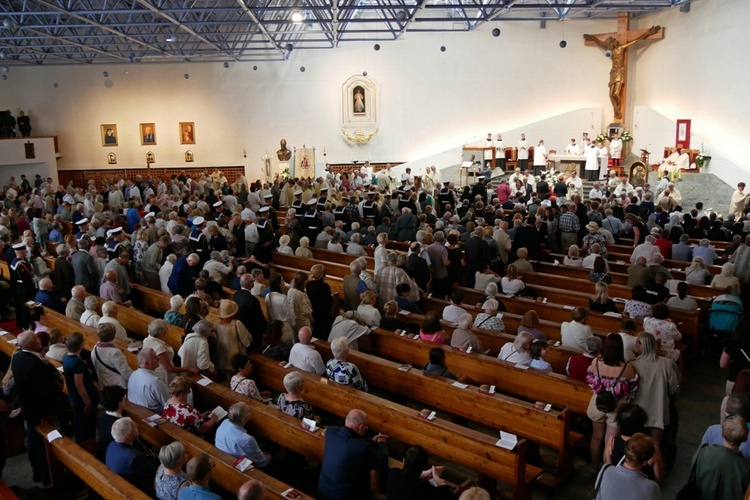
point(612, 380)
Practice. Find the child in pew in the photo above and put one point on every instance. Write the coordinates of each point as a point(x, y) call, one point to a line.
point(539, 350)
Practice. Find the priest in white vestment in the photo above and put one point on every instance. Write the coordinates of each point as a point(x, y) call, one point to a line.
point(540, 158)
point(683, 161)
point(573, 148)
point(603, 156)
point(615, 150)
point(575, 185)
point(488, 143)
point(592, 161)
point(738, 202)
point(670, 162)
point(499, 152)
point(523, 153)
point(624, 187)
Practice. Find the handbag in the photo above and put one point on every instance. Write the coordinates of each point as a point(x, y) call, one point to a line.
point(691, 491)
point(605, 401)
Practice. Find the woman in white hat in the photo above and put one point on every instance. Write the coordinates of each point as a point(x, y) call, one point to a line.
point(232, 336)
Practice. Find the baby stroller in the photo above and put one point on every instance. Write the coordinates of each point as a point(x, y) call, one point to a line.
point(724, 318)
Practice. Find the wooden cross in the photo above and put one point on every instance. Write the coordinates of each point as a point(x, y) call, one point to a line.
point(617, 44)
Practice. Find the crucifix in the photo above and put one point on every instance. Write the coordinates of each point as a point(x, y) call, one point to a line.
point(616, 44)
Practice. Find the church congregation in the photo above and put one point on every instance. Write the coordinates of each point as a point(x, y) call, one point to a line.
point(507, 268)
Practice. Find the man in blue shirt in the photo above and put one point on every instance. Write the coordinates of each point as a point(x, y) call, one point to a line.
point(348, 459)
point(199, 471)
point(737, 405)
point(232, 438)
point(182, 279)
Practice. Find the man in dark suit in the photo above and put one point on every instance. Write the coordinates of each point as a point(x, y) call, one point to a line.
point(131, 464)
point(40, 389)
point(528, 237)
point(417, 267)
point(182, 280)
point(348, 459)
point(47, 297)
point(251, 315)
point(477, 255)
point(84, 268)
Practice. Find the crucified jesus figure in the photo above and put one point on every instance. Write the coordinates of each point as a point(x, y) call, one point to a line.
point(617, 73)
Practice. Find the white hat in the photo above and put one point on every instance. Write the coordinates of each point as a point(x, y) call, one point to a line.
point(114, 231)
point(404, 177)
point(407, 188)
point(264, 209)
point(150, 214)
point(313, 201)
point(268, 196)
point(82, 222)
point(298, 192)
point(218, 204)
point(198, 221)
point(19, 246)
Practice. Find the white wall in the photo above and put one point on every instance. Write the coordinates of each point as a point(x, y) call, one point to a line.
point(701, 72)
point(429, 101)
point(13, 161)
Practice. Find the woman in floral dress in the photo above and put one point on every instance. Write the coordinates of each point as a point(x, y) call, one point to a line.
point(179, 412)
point(291, 403)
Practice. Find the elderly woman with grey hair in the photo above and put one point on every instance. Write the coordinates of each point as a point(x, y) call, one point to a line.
point(349, 327)
point(166, 370)
point(291, 402)
point(169, 477)
point(110, 310)
point(108, 359)
point(697, 273)
point(89, 317)
point(489, 320)
point(463, 337)
point(726, 279)
point(340, 370)
point(173, 316)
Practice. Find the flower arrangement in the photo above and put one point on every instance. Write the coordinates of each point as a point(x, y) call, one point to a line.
point(703, 158)
point(601, 138)
point(626, 137)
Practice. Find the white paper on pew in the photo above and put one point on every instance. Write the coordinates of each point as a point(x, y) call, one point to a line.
point(499, 315)
point(460, 385)
point(620, 262)
point(219, 412)
point(612, 314)
point(405, 368)
point(556, 263)
point(314, 339)
point(568, 308)
point(309, 424)
point(522, 367)
point(204, 381)
point(13, 341)
point(3, 332)
point(507, 440)
point(405, 313)
point(288, 365)
point(492, 389)
point(242, 464)
point(373, 328)
point(54, 436)
point(60, 369)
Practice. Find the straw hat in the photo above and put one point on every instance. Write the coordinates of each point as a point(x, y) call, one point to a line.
point(227, 308)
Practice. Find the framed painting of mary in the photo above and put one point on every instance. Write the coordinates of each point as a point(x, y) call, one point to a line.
point(358, 102)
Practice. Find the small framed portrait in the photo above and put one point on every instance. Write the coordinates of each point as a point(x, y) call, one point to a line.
point(187, 132)
point(189, 156)
point(148, 134)
point(109, 134)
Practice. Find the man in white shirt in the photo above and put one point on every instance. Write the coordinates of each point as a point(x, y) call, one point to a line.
point(145, 388)
point(594, 252)
point(381, 253)
point(523, 153)
point(573, 148)
point(615, 150)
point(574, 333)
point(596, 192)
point(303, 355)
point(165, 271)
point(216, 268)
point(540, 157)
point(454, 310)
point(194, 352)
point(647, 250)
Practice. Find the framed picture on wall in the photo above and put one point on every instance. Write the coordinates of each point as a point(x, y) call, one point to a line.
point(148, 134)
point(682, 135)
point(109, 134)
point(187, 132)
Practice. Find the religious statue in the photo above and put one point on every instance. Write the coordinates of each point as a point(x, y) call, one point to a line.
point(284, 154)
point(359, 136)
point(617, 74)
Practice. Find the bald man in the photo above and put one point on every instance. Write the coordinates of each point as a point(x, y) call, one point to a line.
point(252, 490)
point(348, 459)
point(47, 297)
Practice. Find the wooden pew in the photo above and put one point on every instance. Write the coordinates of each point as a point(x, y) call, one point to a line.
point(510, 414)
point(529, 385)
point(66, 453)
point(333, 269)
point(717, 244)
point(472, 449)
point(628, 249)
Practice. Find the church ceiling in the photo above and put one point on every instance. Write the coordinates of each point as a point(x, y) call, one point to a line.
point(58, 32)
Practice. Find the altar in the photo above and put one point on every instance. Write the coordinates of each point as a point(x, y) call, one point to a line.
point(567, 163)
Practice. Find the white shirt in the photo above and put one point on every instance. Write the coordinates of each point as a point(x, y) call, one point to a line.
point(247, 215)
point(164, 273)
point(381, 253)
point(615, 147)
point(90, 318)
point(592, 153)
point(588, 261)
point(540, 155)
point(645, 249)
point(112, 356)
point(595, 194)
point(120, 332)
point(145, 388)
point(574, 335)
point(511, 355)
point(305, 357)
point(452, 312)
point(628, 346)
point(523, 149)
point(217, 270)
point(573, 149)
point(194, 353)
point(251, 233)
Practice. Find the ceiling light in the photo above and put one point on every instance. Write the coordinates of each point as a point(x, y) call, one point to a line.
point(297, 16)
point(170, 39)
